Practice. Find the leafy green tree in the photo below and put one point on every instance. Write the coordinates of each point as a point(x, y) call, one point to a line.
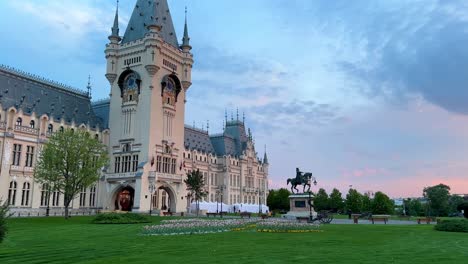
point(366, 203)
point(464, 206)
point(196, 186)
point(354, 201)
point(413, 207)
point(3, 217)
point(278, 200)
point(454, 202)
point(382, 204)
point(336, 200)
point(321, 201)
point(438, 199)
point(70, 161)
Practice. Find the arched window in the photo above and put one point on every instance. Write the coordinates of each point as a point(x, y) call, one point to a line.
point(50, 129)
point(19, 121)
point(96, 136)
point(55, 198)
point(12, 193)
point(32, 124)
point(25, 194)
point(62, 129)
point(92, 196)
point(83, 197)
point(45, 195)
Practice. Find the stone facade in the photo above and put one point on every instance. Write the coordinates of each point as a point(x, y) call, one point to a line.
point(142, 123)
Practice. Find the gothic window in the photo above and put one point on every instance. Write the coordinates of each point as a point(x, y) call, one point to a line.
point(96, 136)
point(135, 162)
point(19, 121)
point(61, 129)
point(29, 156)
point(126, 147)
point(117, 165)
point(159, 164)
point(55, 198)
point(45, 194)
point(92, 196)
point(12, 193)
point(130, 87)
point(16, 154)
point(25, 194)
point(169, 91)
point(50, 129)
point(83, 197)
point(32, 124)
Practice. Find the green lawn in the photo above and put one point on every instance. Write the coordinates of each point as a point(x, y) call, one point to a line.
point(55, 240)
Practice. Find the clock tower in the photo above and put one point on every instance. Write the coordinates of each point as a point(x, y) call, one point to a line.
point(149, 73)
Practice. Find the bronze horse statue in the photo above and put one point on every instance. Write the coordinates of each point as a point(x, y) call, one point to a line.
point(300, 179)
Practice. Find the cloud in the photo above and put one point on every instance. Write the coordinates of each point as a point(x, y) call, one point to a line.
point(413, 50)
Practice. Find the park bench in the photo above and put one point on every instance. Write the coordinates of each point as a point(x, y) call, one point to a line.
point(424, 219)
point(302, 219)
point(213, 214)
point(167, 213)
point(381, 218)
point(245, 214)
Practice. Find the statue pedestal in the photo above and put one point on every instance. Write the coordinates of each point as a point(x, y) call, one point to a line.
point(299, 206)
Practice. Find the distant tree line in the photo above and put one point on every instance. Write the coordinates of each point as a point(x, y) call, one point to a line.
point(436, 201)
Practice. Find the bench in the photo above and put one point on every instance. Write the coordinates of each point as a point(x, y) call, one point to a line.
point(245, 214)
point(167, 213)
point(302, 219)
point(355, 218)
point(381, 218)
point(424, 219)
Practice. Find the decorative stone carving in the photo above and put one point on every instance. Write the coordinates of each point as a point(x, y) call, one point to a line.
point(111, 77)
point(152, 69)
point(186, 84)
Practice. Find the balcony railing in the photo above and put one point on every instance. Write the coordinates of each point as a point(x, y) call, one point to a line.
point(116, 176)
point(27, 130)
point(168, 177)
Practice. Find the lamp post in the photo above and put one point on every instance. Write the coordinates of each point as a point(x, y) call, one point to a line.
point(221, 188)
point(151, 189)
point(311, 217)
point(217, 201)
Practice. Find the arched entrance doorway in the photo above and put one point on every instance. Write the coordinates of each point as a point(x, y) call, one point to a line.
point(123, 200)
point(164, 200)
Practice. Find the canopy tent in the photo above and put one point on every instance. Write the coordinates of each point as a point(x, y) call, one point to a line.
point(250, 208)
point(210, 207)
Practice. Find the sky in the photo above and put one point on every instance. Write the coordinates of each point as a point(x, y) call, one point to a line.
point(368, 94)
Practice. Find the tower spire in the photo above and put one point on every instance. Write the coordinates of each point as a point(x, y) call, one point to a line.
point(265, 157)
point(89, 86)
point(115, 28)
point(186, 39)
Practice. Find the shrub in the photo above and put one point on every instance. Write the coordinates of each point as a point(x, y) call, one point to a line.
point(3, 217)
point(114, 218)
point(456, 225)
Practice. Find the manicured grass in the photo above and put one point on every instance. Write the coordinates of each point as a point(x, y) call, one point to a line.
point(55, 240)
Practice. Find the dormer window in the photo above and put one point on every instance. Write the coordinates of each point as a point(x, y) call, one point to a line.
point(50, 128)
point(19, 121)
point(32, 124)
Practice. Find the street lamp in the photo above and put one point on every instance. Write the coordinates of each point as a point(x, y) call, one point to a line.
point(221, 188)
point(151, 189)
point(311, 217)
point(217, 201)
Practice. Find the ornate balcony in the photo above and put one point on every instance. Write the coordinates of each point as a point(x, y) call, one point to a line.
point(27, 130)
point(120, 176)
point(168, 177)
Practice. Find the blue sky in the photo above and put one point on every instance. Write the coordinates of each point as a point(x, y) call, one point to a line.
point(365, 93)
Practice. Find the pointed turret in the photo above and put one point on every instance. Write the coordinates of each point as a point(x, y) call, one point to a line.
point(265, 157)
point(89, 86)
point(146, 15)
point(114, 37)
point(186, 39)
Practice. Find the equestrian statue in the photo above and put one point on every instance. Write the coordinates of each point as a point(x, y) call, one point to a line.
point(301, 179)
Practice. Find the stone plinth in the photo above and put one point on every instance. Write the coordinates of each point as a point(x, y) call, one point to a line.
point(299, 206)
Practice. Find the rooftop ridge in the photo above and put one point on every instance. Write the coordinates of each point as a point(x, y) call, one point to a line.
point(42, 80)
point(100, 101)
point(196, 129)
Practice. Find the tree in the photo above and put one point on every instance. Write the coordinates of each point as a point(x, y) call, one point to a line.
point(70, 161)
point(413, 207)
point(336, 201)
point(463, 207)
point(278, 200)
point(321, 200)
point(196, 186)
point(366, 203)
point(354, 201)
point(382, 204)
point(438, 199)
point(454, 202)
point(3, 217)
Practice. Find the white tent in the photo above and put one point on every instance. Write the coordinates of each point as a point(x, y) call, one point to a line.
point(250, 208)
point(210, 207)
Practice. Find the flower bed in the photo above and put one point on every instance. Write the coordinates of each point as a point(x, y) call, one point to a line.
point(286, 226)
point(195, 226)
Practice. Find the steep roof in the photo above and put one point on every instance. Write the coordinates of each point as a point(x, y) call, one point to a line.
point(101, 109)
point(196, 139)
point(32, 93)
point(148, 12)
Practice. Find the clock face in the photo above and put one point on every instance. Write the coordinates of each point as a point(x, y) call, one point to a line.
point(170, 86)
point(130, 82)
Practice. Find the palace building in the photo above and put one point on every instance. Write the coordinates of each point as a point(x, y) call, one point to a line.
point(142, 123)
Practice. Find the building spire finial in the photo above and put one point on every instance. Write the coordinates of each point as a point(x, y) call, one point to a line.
point(89, 86)
point(186, 39)
point(265, 157)
point(115, 28)
point(243, 117)
point(237, 113)
point(208, 126)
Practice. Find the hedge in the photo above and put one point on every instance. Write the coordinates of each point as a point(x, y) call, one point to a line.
point(115, 218)
point(453, 225)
